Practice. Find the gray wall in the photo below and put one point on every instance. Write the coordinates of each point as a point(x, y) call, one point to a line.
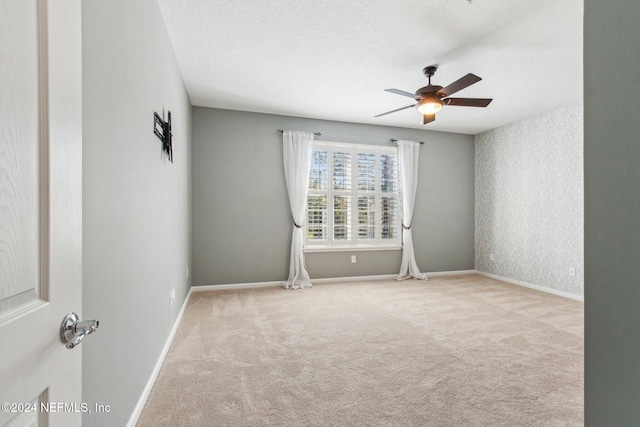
point(529, 200)
point(136, 232)
point(238, 174)
point(612, 212)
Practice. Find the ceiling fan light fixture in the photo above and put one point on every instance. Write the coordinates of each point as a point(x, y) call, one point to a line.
point(430, 105)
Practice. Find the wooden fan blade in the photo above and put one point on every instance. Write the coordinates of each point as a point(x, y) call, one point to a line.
point(393, 111)
point(428, 118)
point(460, 84)
point(403, 93)
point(468, 102)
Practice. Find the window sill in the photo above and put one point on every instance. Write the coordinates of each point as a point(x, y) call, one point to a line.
point(352, 248)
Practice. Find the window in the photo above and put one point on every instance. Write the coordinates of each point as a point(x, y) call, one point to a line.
point(353, 197)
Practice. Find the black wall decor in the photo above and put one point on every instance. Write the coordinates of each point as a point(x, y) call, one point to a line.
point(162, 130)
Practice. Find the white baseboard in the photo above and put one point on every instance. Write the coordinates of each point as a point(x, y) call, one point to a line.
point(137, 411)
point(353, 279)
point(387, 276)
point(203, 288)
point(451, 273)
point(529, 285)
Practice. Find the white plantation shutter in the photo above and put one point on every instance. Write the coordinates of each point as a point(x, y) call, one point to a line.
point(317, 218)
point(317, 209)
point(353, 197)
point(366, 217)
point(389, 197)
point(366, 196)
point(341, 174)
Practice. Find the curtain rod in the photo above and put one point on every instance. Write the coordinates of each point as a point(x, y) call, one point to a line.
point(315, 133)
point(395, 140)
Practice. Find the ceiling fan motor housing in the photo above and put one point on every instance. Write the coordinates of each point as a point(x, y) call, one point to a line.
point(427, 91)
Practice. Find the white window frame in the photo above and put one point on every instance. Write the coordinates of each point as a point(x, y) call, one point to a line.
point(331, 245)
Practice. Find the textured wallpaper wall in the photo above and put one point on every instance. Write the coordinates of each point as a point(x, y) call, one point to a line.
point(529, 200)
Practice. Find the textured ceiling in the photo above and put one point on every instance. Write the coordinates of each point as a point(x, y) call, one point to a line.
point(332, 59)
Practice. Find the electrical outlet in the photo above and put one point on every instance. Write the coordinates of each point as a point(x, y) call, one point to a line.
point(492, 257)
point(172, 296)
point(353, 259)
point(572, 272)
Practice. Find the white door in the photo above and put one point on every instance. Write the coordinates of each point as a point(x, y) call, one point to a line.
point(40, 210)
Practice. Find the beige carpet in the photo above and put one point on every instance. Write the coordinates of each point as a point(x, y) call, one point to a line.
point(452, 351)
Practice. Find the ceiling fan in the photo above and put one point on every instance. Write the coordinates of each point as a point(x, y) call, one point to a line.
point(432, 98)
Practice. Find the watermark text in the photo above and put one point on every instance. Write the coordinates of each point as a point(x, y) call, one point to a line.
point(53, 407)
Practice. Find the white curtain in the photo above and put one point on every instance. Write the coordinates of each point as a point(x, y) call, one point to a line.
point(297, 148)
point(408, 152)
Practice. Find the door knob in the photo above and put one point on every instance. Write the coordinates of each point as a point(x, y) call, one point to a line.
point(73, 331)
